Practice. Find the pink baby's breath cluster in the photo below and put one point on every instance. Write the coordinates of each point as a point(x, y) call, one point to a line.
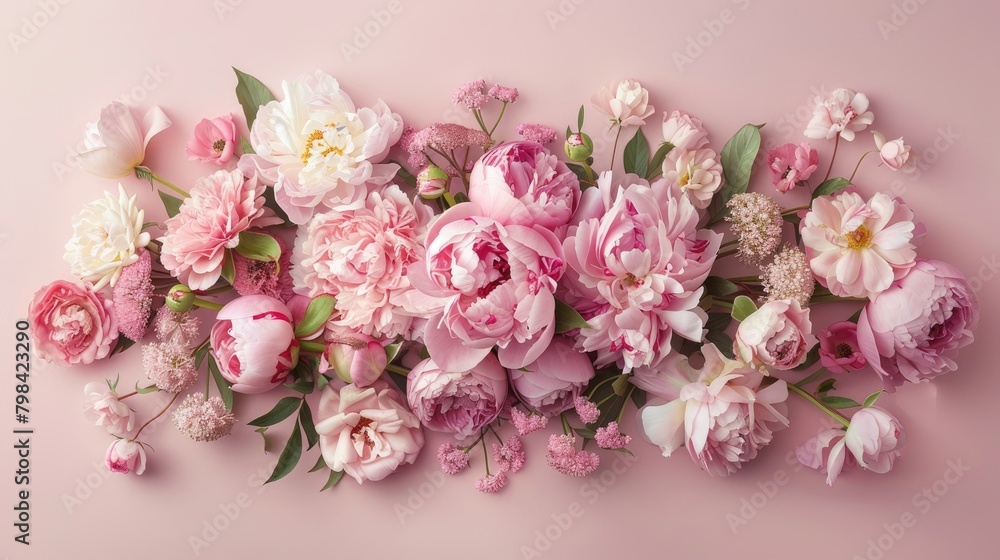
point(586, 410)
point(440, 137)
point(564, 458)
point(203, 419)
point(176, 327)
point(609, 437)
point(133, 297)
point(470, 95)
point(170, 366)
point(503, 93)
point(756, 221)
point(492, 483)
point(788, 276)
point(510, 455)
point(453, 460)
point(537, 133)
point(527, 423)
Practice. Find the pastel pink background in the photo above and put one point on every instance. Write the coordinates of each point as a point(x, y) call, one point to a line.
point(933, 80)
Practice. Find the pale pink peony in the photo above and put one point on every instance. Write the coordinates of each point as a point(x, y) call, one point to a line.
point(791, 164)
point(894, 154)
point(116, 143)
point(626, 103)
point(106, 410)
point(698, 173)
point(839, 349)
point(914, 330)
point(497, 284)
point(254, 344)
point(361, 256)
point(858, 249)
point(221, 206)
point(551, 383)
point(355, 357)
point(214, 140)
point(685, 132)
point(778, 335)
point(873, 441)
point(460, 404)
point(71, 324)
point(367, 433)
point(125, 456)
point(842, 112)
point(523, 183)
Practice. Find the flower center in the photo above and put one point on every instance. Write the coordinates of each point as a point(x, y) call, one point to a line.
point(362, 429)
point(317, 143)
point(844, 350)
point(788, 170)
point(685, 178)
point(219, 145)
point(860, 238)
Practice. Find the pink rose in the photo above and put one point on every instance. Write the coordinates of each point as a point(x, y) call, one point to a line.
point(355, 357)
point(214, 140)
point(842, 112)
point(913, 331)
point(221, 206)
point(698, 173)
point(523, 183)
point(551, 384)
point(790, 164)
point(626, 103)
point(872, 440)
point(71, 324)
point(106, 410)
point(460, 404)
point(778, 334)
point(894, 154)
point(367, 433)
point(116, 143)
point(685, 132)
point(839, 349)
point(125, 456)
point(254, 344)
point(497, 285)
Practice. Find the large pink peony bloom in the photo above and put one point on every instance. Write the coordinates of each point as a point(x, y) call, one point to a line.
point(842, 112)
point(873, 440)
point(221, 206)
point(71, 324)
point(361, 257)
point(723, 416)
point(638, 253)
point(552, 383)
point(497, 283)
point(913, 331)
point(254, 344)
point(367, 433)
point(857, 249)
point(525, 184)
point(779, 335)
point(116, 143)
point(460, 404)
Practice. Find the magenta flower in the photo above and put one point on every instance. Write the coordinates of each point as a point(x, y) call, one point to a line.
point(214, 140)
point(839, 348)
point(791, 164)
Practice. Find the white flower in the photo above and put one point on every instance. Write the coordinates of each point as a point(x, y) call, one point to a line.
point(318, 149)
point(107, 235)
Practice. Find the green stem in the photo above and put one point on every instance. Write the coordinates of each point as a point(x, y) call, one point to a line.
point(123, 397)
point(721, 303)
point(169, 185)
point(791, 211)
point(148, 422)
point(312, 346)
point(727, 253)
point(466, 448)
point(831, 299)
point(829, 411)
point(729, 243)
point(567, 430)
point(855, 172)
point(745, 279)
point(479, 119)
point(207, 304)
point(836, 144)
point(625, 404)
point(614, 150)
point(486, 454)
point(449, 199)
point(496, 124)
point(398, 370)
point(208, 383)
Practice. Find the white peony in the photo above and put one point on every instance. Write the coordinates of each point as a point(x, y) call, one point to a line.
point(107, 235)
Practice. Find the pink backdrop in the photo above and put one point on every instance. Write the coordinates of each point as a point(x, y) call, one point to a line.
point(928, 66)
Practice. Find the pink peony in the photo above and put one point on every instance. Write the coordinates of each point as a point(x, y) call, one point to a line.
point(698, 173)
point(723, 417)
point(839, 349)
point(913, 331)
point(361, 256)
point(254, 344)
point(894, 154)
point(857, 249)
point(355, 357)
point(214, 140)
point(791, 164)
point(367, 433)
point(497, 285)
point(523, 183)
point(551, 383)
point(221, 206)
point(125, 456)
point(460, 404)
point(778, 335)
point(685, 132)
point(872, 440)
point(106, 409)
point(116, 143)
point(626, 103)
point(842, 112)
point(71, 324)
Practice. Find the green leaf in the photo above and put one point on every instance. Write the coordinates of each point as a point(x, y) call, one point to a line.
point(570, 130)
point(461, 197)
point(638, 397)
point(826, 386)
point(335, 477)
point(656, 164)
point(870, 399)
point(743, 307)
point(229, 268)
point(225, 391)
point(585, 433)
point(718, 321)
point(304, 386)
point(321, 382)
point(283, 409)
point(815, 375)
point(720, 287)
point(145, 390)
point(247, 148)
point(405, 175)
point(317, 314)
point(620, 385)
point(811, 358)
point(263, 436)
point(857, 315)
point(737, 160)
point(578, 170)
point(171, 204)
point(568, 318)
point(289, 455)
point(839, 402)
point(579, 119)
point(259, 247)
point(252, 94)
point(320, 464)
point(636, 156)
point(722, 341)
point(308, 426)
point(831, 186)
point(392, 351)
point(200, 353)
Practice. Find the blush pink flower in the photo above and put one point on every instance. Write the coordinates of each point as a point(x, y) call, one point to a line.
point(609, 437)
point(71, 324)
point(562, 456)
point(221, 206)
point(625, 103)
point(685, 132)
point(503, 93)
point(444, 137)
point(827, 453)
point(872, 440)
point(914, 330)
point(894, 154)
point(125, 456)
point(839, 349)
point(778, 335)
point(214, 140)
point(453, 460)
point(790, 164)
point(858, 249)
point(178, 328)
point(698, 173)
point(355, 357)
point(361, 256)
point(133, 297)
point(254, 344)
point(842, 112)
point(106, 410)
point(527, 423)
point(116, 143)
point(497, 284)
point(367, 433)
point(460, 404)
point(551, 383)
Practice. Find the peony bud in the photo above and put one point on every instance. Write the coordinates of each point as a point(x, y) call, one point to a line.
point(432, 182)
point(355, 357)
point(180, 298)
point(579, 146)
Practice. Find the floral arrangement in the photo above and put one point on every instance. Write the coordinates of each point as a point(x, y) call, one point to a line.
point(486, 287)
